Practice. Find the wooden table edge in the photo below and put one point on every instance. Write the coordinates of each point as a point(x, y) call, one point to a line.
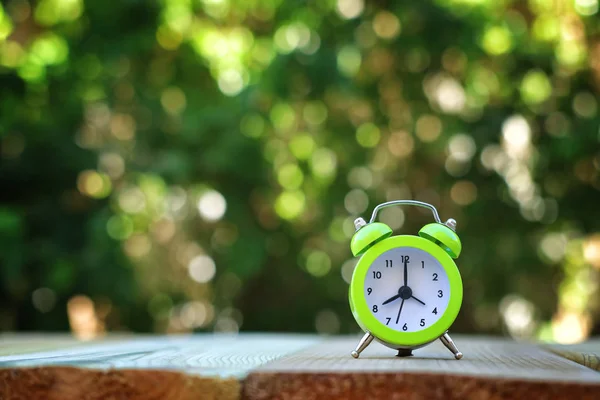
point(350, 385)
point(75, 383)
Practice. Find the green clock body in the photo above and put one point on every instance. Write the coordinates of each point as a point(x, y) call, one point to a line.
point(406, 291)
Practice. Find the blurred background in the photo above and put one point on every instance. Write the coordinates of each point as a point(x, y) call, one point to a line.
point(196, 165)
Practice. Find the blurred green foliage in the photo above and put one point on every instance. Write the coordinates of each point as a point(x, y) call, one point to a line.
point(197, 164)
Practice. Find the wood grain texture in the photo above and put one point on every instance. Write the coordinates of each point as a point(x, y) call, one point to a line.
point(31, 343)
point(494, 358)
point(151, 368)
point(68, 383)
point(490, 369)
point(205, 354)
point(406, 386)
point(252, 366)
point(587, 354)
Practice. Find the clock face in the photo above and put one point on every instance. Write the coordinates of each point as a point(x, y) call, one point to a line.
point(407, 289)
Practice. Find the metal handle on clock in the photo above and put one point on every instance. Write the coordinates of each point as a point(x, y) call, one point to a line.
point(405, 203)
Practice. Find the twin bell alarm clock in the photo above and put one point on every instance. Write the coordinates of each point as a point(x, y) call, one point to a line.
point(406, 290)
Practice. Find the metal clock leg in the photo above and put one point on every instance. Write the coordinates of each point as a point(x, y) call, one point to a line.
point(364, 342)
point(449, 343)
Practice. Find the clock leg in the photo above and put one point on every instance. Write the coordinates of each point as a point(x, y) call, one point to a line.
point(404, 353)
point(364, 342)
point(449, 343)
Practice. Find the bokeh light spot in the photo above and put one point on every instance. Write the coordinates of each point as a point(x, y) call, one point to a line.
point(516, 135)
point(368, 135)
point(356, 201)
point(348, 269)
point(50, 49)
point(497, 40)
point(123, 126)
point(283, 117)
point(202, 268)
point(82, 317)
point(461, 147)
point(315, 113)
point(323, 163)
point(393, 217)
point(43, 299)
point(428, 128)
point(212, 206)
point(349, 61)
point(94, 184)
point(586, 7)
point(535, 87)
point(290, 204)
point(302, 146)
point(318, 263)
point(137, 246)
point(386, 25)
point(401, 144)
point(585, 105)
point(360, 177)
point(290, 176)
point(119, 227)
point(173, 100)
point(253, 125)
point(231, 82)
point(463, 193)
point(350, 9)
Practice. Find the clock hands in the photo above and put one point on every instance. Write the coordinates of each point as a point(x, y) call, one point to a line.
point(404, 292)
point(391, 299)
point(399, 311)
point(399, 295)
point(416, 300)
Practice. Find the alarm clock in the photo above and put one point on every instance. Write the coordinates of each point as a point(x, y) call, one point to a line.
point(406, 290)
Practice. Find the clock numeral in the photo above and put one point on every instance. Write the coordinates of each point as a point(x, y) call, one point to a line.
point(375, 309)
point(377, 274)
point(369, 291)
point(422, 322)
point(388, 263)
point(388, 321)
point(422, 264)
point(434, 311)
point(404, 327)
point(405, 259)
point(440, 294)
point(435, 276)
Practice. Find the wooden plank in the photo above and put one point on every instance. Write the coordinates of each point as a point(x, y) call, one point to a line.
point(152, 368)
point(587, 354)
point(69, 383)
point(204, 354)
point(283, 366)
point(14, 347)
point(490, 369)
point(11, 344)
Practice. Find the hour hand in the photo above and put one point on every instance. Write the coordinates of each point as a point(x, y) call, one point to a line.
point(391, 299)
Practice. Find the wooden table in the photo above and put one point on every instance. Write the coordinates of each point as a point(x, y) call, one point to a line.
point(263, 366)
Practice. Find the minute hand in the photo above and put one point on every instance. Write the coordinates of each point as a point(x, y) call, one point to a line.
point(405, 273)
point(413, 297)
point(400, 311)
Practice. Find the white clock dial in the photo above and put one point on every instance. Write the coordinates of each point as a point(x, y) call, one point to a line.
point(409, 306)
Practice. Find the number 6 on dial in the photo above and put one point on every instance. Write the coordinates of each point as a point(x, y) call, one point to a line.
point(406, 291)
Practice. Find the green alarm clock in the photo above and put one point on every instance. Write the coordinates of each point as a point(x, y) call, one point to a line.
point(406, 290)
